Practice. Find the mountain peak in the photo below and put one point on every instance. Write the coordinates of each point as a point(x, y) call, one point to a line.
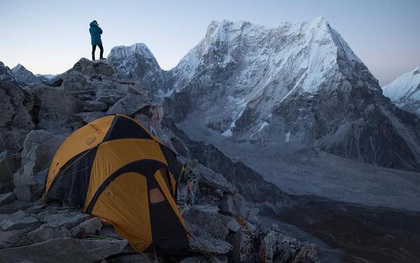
point(320, 20)
point(405, 90)
point(18, 67)
point(137, 48)
point(136, 62)
point(310, 48)
point(24, 76)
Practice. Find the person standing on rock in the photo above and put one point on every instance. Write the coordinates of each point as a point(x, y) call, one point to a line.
point(95, 35)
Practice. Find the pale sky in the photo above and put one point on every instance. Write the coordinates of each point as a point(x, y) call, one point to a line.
point(50, 36)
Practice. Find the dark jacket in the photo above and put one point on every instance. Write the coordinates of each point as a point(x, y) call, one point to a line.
point(95, 33)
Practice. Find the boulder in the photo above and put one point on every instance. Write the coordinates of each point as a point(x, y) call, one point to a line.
point(86, 117)
point(13, 238)
point(56, 81)
point(64, 250)
point(134, 257)
point(76, 85)
point(88, 227)
point(131, 103)
point(208, 230)
point(209, 245)
point(45, 232)
point(55, 109)
point(88, 67)
point(66, 218)
point(15, 119)
point(214, 180)
point(110, 95)
point(209, 220)
point(307, 253)
point(23, 192)
point(205, 259)
point(39, 148)
point(234, 204)
point(93, 105)
point(7, 198)
point(18, 221)
point(8, 166)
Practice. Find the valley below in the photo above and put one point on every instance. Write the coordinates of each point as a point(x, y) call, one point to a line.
point(352, 212)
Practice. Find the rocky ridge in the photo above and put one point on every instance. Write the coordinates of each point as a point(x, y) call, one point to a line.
point(45, 114)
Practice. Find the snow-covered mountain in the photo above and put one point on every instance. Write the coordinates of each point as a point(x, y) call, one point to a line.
point(296, 84)
point(254, 67)
point(25, 76)
point(136, 62)
point(308, 50)
point(405, 91)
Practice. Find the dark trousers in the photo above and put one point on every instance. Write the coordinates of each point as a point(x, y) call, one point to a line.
point(101, 54)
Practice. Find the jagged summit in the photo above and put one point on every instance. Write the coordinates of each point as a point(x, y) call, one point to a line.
point(19, 67)
point(137, 63)
point(263, 66)
point(308, 52)
point(126, 51)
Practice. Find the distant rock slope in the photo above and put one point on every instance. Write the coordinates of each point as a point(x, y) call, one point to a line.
point(405, 91)
point(25, 76)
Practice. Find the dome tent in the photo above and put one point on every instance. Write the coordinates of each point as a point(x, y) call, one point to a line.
point(113, 168)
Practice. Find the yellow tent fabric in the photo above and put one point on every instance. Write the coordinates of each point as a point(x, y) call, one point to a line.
point(113, 168)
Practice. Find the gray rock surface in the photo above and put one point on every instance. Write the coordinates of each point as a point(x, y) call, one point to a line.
point(8, 166)
point(15, 118)
point(76, 250)
point(87, 67)
point(25, 76)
